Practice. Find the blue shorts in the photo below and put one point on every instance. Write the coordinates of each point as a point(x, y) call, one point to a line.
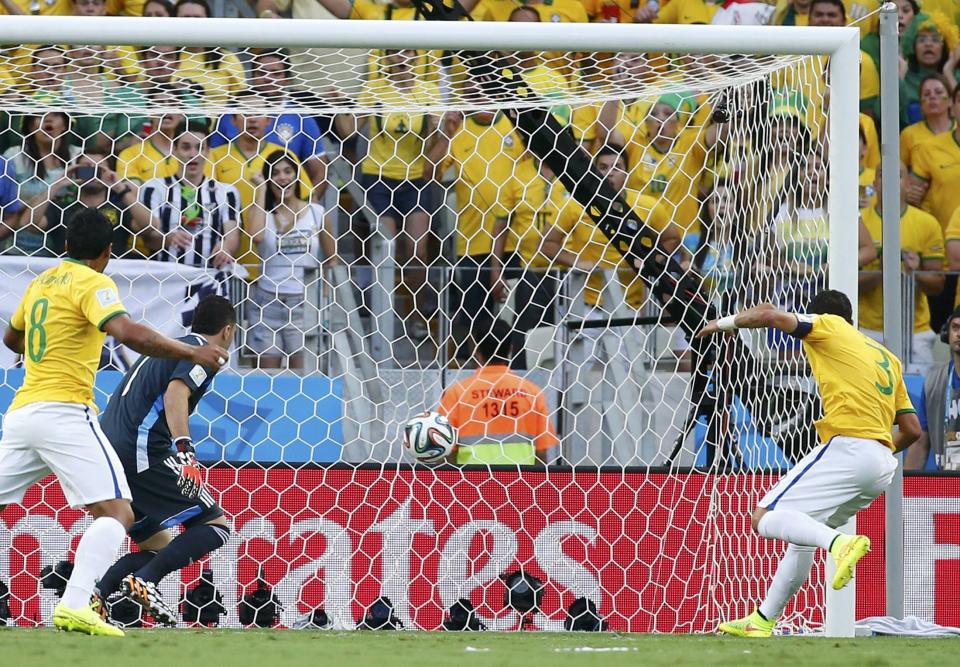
point(396, 199)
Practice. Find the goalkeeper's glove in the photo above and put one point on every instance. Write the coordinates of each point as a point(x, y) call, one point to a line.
point(190, 480)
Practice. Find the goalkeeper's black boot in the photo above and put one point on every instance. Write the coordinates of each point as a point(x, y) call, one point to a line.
point(147, 594)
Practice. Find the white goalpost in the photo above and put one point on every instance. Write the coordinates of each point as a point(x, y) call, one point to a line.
point(737, 147)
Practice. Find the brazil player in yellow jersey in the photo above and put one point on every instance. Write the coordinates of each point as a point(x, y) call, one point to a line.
point(51, 426)
point(861, 387)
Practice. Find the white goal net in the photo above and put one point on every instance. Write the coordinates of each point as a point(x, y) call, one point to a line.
point(375, 215)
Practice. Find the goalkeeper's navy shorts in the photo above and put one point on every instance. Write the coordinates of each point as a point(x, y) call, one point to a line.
point(158, 502)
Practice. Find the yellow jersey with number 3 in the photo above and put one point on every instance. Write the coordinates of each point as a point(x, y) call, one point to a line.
point(860, 381)
point(62, 315)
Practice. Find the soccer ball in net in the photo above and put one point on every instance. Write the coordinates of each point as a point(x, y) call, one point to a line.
point(429, 437)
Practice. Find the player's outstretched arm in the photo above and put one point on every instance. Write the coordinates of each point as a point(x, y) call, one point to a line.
point(762, 316)
point(146, 340)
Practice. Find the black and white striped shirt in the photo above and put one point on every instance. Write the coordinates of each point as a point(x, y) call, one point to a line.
point(213, 208)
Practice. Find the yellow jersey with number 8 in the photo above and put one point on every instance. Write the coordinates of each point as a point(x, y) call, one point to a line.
point(860, 381)
point(62, 315)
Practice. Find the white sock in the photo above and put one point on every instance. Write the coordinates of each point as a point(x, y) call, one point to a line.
point(96, 552)
point(792, 572)
point(796, 528)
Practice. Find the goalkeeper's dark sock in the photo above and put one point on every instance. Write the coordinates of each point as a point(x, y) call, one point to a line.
point(110, 581)
point(188, 547)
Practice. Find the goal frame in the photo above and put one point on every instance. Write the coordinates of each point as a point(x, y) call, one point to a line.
point(840, 44)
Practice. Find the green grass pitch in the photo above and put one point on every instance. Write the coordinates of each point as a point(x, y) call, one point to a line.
point(269, 648)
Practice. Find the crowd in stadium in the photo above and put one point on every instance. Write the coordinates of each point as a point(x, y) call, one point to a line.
point(211, 190)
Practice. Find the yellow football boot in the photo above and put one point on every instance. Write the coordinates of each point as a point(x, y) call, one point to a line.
point(753, 625)
point(86, 620)
point(847, 550)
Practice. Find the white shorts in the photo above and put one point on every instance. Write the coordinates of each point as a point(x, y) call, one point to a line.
point(835, 480)
point(65, 439)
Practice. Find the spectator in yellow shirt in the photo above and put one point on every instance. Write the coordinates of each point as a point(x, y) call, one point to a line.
point(494, 10)
point(317, 68)
point(686, 12)
point(625, 11)
point(935, 107)
point(391, 10)
point(548, 11)
point(219, 71)
point(392, 171)
point(932, 186)
point(152, 157)
point(929, 47)
point(36, 7)
point(126, 8)
point(870, 150)
point(922, 252)
point(532, 201)
point(395, 10)
point(667, 161)
point(621, 122)
point(483, 150)
point(797, 12)
point(935, 172)
point(809, 76)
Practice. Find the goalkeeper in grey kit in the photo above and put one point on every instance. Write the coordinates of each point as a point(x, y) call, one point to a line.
point(146, 420)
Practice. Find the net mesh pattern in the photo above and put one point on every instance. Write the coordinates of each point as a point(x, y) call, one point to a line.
point(371, 214)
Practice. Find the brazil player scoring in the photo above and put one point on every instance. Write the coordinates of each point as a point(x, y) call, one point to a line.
point(146, 420)
point(51, 426)
point(861, 387)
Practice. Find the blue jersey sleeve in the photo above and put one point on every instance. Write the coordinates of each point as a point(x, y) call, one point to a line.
point(921, 408)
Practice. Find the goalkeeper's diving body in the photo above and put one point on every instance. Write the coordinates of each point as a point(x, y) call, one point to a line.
point(147, 422)
point(863, 394)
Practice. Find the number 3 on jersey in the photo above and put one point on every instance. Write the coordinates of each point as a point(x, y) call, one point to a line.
point(884, 364)
point(36, 334)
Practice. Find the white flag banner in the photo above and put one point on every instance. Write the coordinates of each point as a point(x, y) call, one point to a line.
point(161, 294)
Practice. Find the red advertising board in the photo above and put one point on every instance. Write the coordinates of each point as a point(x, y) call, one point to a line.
point(670, 553)
point(931, 535)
